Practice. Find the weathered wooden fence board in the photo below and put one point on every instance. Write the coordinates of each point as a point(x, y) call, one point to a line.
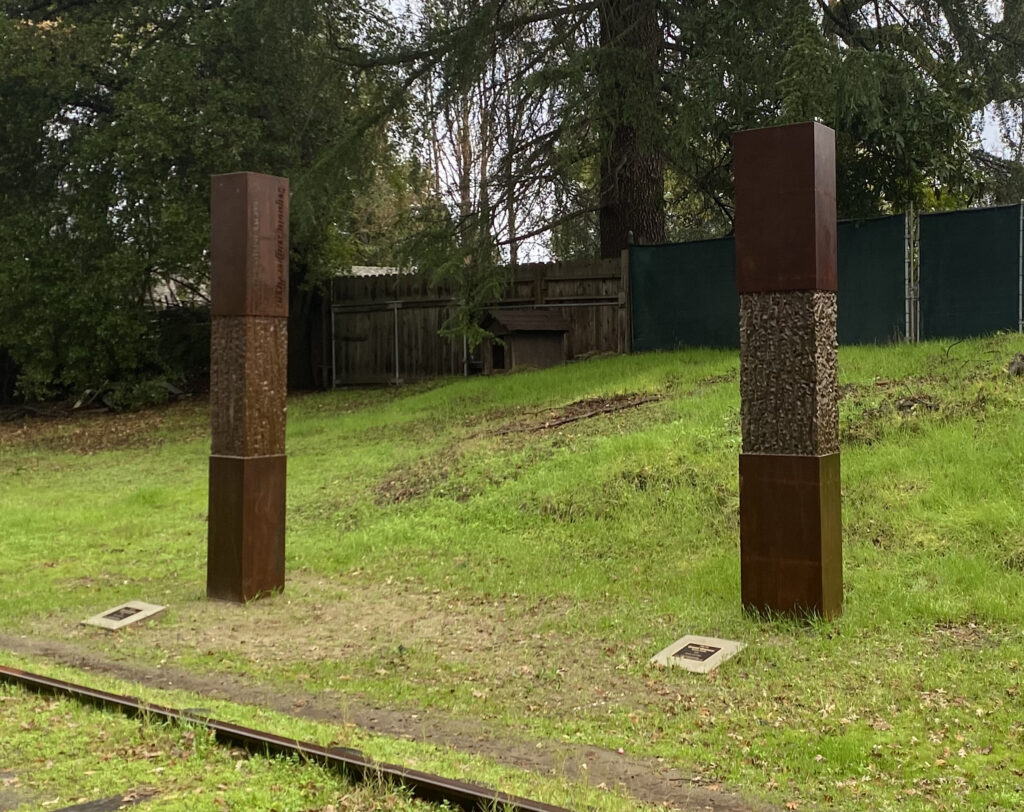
point(366, 310)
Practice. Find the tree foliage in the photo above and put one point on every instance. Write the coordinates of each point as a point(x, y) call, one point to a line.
point(454, 137)
point(638, 100)
point(116, 115)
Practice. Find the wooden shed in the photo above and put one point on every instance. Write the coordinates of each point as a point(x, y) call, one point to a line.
point(385, 324)
point(527, 337)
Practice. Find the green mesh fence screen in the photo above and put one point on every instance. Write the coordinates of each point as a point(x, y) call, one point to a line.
point(683, 295)
point(872, 280)
point(970, 272)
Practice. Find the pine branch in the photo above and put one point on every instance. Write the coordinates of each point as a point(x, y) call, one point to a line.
point(446, 40)
point(552, 224)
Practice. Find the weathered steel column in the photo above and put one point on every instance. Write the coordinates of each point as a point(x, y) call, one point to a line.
point(791, 558)
point(248, 385)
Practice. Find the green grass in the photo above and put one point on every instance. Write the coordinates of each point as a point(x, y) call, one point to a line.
point(55, 751)
point(447, 553)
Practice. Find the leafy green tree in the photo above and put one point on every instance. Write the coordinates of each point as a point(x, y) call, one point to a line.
point(591, 123)
point(116, 115)
point(642, 97)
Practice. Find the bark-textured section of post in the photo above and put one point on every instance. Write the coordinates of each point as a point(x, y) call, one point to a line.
point(788, 377)
point(790, 506)
point(248, 385)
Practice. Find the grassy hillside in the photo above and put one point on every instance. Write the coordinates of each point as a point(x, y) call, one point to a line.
point(511, 551)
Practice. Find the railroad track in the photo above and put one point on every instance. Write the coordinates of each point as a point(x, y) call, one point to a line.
point(352, 763)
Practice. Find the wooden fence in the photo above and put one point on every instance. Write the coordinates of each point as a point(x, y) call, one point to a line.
point(385, 328)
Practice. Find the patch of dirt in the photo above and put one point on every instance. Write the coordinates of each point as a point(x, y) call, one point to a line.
point(12, 792)
point(882, 405)
point(428, 475)
point(725, 377)
point(408, 483)
point(548, 419)
point(964, 635)
point(645, 779)
point(395, 627)
point(91, 431)
point(927, 403)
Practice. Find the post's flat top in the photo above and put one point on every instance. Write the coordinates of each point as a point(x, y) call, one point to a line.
point(230, 175)
point(783, 130)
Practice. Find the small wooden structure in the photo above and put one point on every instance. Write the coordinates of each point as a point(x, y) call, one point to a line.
point(525, 337)
point(386, 324)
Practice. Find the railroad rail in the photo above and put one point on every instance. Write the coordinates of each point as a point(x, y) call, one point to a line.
point(355, 765)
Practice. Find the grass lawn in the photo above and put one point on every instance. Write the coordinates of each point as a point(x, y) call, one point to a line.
point(58, 753)
point(489, 564)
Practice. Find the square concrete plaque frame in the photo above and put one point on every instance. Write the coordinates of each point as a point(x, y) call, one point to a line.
point(125, 615)
point(698, 654)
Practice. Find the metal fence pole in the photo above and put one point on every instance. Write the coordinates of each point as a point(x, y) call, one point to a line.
point(1020, 272)
point(907, 220)
point(912, 274)
point(915, 272)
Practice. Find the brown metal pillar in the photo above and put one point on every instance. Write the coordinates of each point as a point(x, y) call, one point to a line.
point(791, 558)
point(248, 385)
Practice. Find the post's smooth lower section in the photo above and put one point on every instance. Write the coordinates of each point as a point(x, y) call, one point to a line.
point(791, 552)
point(245, 542)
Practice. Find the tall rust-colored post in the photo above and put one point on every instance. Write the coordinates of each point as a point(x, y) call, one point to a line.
point(248, 385)
point(791, 558)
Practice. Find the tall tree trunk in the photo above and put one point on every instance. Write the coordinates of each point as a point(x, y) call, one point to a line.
point(632, 192)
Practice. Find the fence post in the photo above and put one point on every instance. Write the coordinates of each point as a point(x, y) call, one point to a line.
point(912, 273)
point(625, 312)
point(907, 218)
point(1020, 272)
